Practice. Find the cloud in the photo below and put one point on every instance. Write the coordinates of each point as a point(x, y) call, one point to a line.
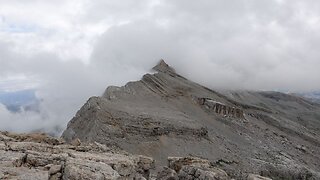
point(265, 45)
point(236, 64)
point(27, 121)
point(62, 88)
point(71, 50)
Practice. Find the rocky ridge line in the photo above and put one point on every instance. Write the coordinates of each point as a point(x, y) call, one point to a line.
point(165, 114)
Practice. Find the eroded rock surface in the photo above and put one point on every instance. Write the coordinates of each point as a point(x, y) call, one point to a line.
point(220, 108)
point(22, 158)
point(196, 168)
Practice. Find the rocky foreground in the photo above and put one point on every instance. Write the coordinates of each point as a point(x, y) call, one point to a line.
point(38, 156)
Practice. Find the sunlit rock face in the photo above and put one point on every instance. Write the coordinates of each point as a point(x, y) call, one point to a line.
point(165, 114)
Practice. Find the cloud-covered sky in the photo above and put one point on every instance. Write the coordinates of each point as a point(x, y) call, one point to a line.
point(69, 50)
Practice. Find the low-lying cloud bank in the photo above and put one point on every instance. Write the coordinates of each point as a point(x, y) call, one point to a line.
point(72, 55)
point(62, 88)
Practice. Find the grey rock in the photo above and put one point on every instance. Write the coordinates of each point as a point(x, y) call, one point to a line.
point(85, 169)
point(166, 173)
point(31, 137)
point(56, 176)
point(76, 142)
point(31, 160)
point(165, 114)
point(163, 67)
point(139, 177)
point(54, 169)
point(257, 177)
point(196, 168)
point(195, 172)
point(177, 163)
point(220, 108)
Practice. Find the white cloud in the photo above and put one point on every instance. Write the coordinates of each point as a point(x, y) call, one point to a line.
point(49, 26)
point(16, 82)
point(26, 121)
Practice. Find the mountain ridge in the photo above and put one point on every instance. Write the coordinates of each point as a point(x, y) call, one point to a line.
point(164, 114)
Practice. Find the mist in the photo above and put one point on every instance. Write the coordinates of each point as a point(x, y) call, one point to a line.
point(69, 51)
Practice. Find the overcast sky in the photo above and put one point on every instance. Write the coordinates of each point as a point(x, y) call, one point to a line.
point(69, 50)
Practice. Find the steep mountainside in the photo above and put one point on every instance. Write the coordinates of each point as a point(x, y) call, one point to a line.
point(268, 133)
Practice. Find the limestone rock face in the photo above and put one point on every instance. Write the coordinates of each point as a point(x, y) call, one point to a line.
point(25, 160)
point(194, 172)
point(22, 159)
point(162, 66)
point(166, 173)
point(196, 168)
point(221, 108)
point(86, 169)
point(164, 115)
point(177, 163)
point(257, 177)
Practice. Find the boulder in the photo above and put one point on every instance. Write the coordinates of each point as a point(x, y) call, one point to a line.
point(177, 163)
point(257, 177)
point(194, 168)
point(166, 173)
point(54, 169)
point(201, 173)
point(77, 169)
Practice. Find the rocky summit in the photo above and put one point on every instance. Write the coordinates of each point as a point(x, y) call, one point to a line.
point(167, 127)
point(241, 133)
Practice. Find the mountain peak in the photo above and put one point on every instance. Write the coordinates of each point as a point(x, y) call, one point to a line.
point(162, 66)
point(180, 117)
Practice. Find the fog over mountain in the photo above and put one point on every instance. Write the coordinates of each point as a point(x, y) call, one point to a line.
point(70, 50)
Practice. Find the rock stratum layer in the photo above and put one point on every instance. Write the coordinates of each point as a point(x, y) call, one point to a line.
point(164, 114)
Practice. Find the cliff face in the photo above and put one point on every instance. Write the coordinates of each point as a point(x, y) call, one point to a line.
point(164, 114)
point(220, 108)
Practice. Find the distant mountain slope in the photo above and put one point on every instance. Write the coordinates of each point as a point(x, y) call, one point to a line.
point(312, 96)
point(164, 114)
